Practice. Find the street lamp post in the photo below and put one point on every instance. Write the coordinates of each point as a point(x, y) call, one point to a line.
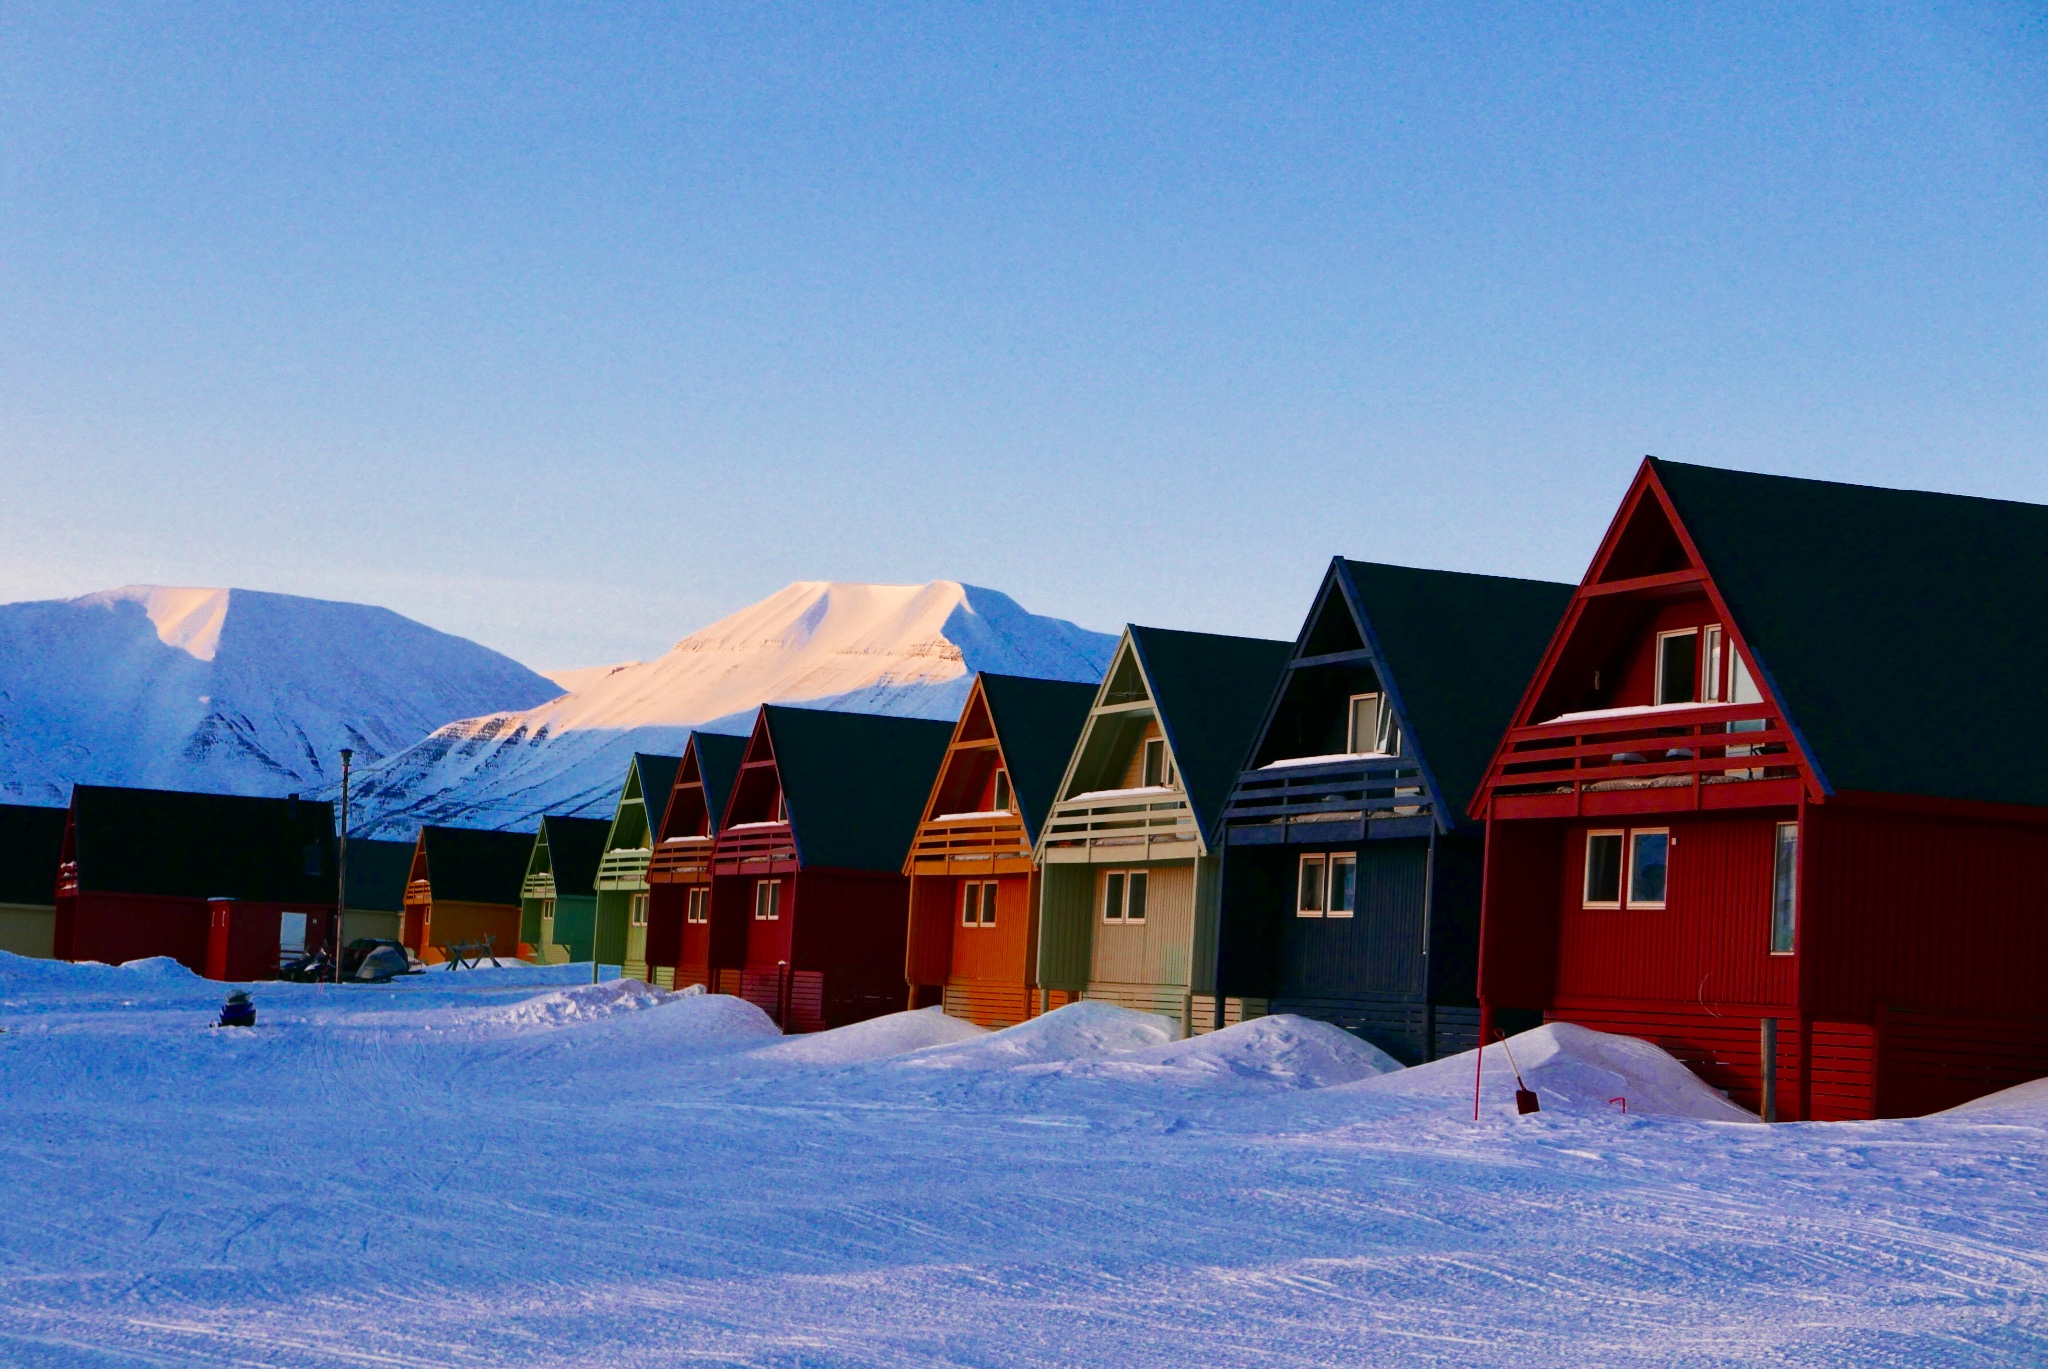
point(341, 864)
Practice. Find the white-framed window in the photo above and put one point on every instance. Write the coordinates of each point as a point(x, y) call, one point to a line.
point(1370, 726)
point(1603, 869)
point(1678, 666)
point(637, 910)
point(1309, 887)
point(1343, 885)
point(1002, 793)
point(1710, 662)
point(767, 900)
point(1123, 895)
point(547, 911)
point(1785, 889)
point(1649, 866)
point(699, 909)
point(781, 807)
point(1158, 766)
point(978, 904)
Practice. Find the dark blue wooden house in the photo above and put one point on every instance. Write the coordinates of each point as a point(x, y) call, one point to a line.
point(1351, 877)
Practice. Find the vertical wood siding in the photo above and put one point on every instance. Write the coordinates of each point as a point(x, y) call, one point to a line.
point(1066, 925)
point(1519, 911)
point(1156, 950)
point(1377, 951)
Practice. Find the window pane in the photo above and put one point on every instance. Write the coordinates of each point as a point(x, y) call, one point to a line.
point(1002, 803)
point(988, 904)
point(1155, 762)
point(970, 903)
point(1113, 897)
point(1785, 889)
point(1648, 852)
point(1364, 731)
point(1308, 897)
point(1677, 667)
point(1710, 664)
point(1135, 912)
point(1603, 867)
point(1343, 884)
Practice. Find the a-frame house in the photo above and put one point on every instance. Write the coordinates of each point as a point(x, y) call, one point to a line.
point(558, 901)
point(809, 903)
point(1351, 873)
point(1714, 826)
point(622, 889)
point(1130, 853)
point(679, 874)
point(973, 873)
point(31, 847)
point(463, 890)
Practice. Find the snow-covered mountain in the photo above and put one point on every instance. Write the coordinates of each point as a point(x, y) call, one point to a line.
point(909, 650)
point(229, 690)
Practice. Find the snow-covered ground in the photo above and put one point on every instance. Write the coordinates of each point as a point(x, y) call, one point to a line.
point(515, 1167)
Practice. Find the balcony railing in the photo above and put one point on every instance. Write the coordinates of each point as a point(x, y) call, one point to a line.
point(538, 886)
point(678, 857)
point(1137, 824)
point(1278, 803)
point(975, 837)
point(624, 868)
point(756, 843)
point(1691, 749)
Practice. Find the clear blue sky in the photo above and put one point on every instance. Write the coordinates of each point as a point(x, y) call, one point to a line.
point(572, 329)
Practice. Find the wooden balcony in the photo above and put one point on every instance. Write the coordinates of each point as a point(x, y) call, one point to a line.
point(1345, 798)
point(1129, 825)
point(1712, 756)
point(624, 868)
point(754, 847)
point(680, 860)
point(538, 886)
point(970, 843)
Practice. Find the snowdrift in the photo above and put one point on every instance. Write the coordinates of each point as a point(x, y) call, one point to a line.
point(1573, 1070)
point(1297, 1052)
point(2022, 1105)
point(878, 1038)
point(692, 1016)
point(156, 974)
point(1078, 1031)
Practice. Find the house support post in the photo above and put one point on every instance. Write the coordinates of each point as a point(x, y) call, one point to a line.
point(1767, 1033)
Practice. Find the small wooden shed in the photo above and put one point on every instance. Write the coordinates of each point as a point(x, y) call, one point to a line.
point(558, 901)
point(31, 846)
point(1350, 872)
point(1712, 825)
point(622, 890)
point(148, 872)
point(973, 872)
point(679, 873)
point(1131, 853)
point(809, 903)
point(464, 890)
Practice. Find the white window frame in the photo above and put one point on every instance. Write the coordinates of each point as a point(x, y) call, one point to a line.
point(1628, 871)
point(636, 910)
point(1165, 778)
point(1003, 799)
point(1321, 865)
point(1657, 681)
point(970, 903)
point(1792, 921)
point(1586, 899)
point(772, 889)
point(547, 911)
point(697, 911)
point(1351, 737)
point(1713, 647)
point(1343, 859)
point(1123, 917)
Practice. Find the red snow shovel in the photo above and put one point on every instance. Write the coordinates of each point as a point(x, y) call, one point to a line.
point(1525, 1097)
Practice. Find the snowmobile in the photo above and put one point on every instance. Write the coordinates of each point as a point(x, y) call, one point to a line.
point(238, 1011)
point(374, 960)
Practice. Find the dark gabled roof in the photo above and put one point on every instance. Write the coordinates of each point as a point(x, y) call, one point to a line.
point(1211, 692)
point(1866, 607)
point(718, 763)
point(1458, 650)
point(855, 783)
point(179, 845)
point(31, 844)
point(378, 872)
point(575, 847)
point(470, 866)
point(1037, 723)
point(657, 782)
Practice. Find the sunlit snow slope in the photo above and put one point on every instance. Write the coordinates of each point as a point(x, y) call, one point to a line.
point(228, 690)
point(908, 650)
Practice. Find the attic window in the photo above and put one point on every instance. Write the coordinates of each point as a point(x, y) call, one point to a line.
point(1002, 793)
point(781, 808)
point(314, 863)
point(1158, 769)
point(1678, 666)
point(1371, 726)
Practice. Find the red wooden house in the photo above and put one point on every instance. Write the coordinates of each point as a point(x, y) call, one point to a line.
point(1715, 824)
point(809, 903)
point(973, 880)
point(679, 873)
point(210, 880)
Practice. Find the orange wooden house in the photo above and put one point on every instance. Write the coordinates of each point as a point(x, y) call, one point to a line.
point(973, 882)
point(679, 874)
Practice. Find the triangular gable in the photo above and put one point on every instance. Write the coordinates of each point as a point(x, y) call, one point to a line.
point(1211, 693)
point(703, 783)
point(1036, 724)
point(645, 774)
point(855, 784)
point(576, 847)
point(468, 865)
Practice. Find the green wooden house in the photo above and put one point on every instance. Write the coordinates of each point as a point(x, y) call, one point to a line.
point(621, 916)
point(377, 875)
point(31, 845)
point(1132, 848)
point(558, 901)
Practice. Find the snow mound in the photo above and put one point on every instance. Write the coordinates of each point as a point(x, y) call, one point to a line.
point(878, 1038)
point(588, 1003)
point(1078, 1031)
point(2022, 1105)
point(24, 972)
point(1572, 1069)
point(1283, 1049)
